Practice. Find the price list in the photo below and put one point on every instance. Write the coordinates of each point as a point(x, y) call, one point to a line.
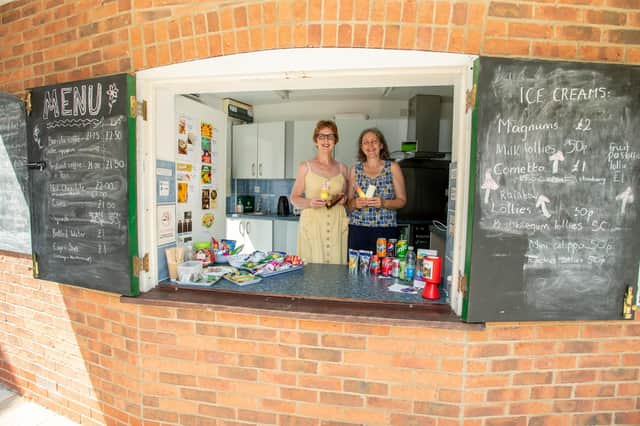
point(14, 206)
point(79, 168)
point(556, 180)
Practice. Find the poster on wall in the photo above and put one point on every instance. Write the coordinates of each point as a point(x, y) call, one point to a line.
point(166, 224)
point(205, 175)
point(206, 131)
point(206, 204)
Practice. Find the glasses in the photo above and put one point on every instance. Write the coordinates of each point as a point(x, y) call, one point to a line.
point(326, 137)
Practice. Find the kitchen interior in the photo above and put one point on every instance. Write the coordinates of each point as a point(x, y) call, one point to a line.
point(416, 122)
point(268, 133)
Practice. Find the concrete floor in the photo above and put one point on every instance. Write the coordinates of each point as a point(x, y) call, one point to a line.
point(17, 411)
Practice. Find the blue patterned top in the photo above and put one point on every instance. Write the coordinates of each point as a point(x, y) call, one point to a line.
point(371, 216)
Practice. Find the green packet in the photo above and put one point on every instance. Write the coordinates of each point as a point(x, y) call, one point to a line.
point(242, 277)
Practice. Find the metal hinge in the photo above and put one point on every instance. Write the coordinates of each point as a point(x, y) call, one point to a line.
point(462, 285)
point(34, 261)
point(137, 108)
point(471, 99)
point(629, 306)
point(140, 264)
point(27, 102)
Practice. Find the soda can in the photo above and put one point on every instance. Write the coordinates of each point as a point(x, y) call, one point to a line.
point(387, 266)
point(364, 257)
point(353, 261)
point(381, 247)
point(401, 249)
point(403, 264)
point(374, 265)
point(395, 269)
point(391, 247)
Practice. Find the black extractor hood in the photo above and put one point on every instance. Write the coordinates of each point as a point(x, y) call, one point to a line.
point(424, 126)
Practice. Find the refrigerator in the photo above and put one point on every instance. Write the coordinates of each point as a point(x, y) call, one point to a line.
point(427, 182)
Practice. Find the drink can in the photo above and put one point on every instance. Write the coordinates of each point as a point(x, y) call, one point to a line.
point(401, 249)
point(395, 269)
point(381, 247)
point(374, 265)
point(364, 257)
point(387, 266)
point(353, 261)
point(403, 264)
point(391, 247)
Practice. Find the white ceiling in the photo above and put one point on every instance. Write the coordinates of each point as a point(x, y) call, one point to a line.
point(257, 98)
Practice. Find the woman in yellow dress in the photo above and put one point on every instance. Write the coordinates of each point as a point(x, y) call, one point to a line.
point(319, 190)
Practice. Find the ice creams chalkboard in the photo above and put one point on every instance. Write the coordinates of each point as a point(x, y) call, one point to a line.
point(81, 157)
point(14, 206)
point(557, 178)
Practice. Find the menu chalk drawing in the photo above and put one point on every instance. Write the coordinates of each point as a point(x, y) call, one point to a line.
point(556, 215)
point(80, 163)
point(14, 199)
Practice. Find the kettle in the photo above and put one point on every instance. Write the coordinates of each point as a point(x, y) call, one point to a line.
point(283, 206)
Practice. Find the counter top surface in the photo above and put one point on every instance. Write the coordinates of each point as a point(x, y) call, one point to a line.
point(317, 292)
point(327, 282)
point(291, 218)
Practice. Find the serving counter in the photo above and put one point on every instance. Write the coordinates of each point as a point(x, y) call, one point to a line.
point(316, 288)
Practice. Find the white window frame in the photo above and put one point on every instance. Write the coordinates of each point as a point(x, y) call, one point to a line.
point(299, 69)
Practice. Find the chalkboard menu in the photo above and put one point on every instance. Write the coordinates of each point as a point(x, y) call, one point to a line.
point(556, 229)
point(82, 183)
point(14, 206)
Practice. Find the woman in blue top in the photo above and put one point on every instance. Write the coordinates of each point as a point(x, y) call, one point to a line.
point(374, 217)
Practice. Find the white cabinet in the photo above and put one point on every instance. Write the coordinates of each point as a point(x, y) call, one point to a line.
point(285, 236)
point(245, 151)
point(346, 150)
point(258, 150)
point(300, 146)
point(254, 234)
point(394, 131)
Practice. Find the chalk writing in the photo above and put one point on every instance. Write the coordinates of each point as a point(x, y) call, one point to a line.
point(14, 205)
point(558, 171)
point(82, 195)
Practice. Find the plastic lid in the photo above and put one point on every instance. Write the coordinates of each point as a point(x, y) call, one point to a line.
point(201, 245)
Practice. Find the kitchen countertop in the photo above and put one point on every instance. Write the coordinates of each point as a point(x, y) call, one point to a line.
point(329, 282)
point(270, 216)
point(317, 292)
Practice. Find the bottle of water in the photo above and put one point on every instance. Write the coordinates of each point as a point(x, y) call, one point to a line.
point(410, 268)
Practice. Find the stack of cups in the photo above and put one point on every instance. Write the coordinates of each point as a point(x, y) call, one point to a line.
point(175, 256)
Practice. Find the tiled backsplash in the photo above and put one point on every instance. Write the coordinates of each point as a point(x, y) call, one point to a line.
point(266, 197)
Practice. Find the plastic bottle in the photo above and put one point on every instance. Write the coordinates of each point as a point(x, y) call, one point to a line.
point(410, 267)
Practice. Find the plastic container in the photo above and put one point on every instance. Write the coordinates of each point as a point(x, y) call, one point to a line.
point(189, 271)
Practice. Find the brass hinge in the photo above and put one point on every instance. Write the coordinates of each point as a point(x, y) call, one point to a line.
point(27, 102)
point(140, 264)
point(629, 306)
point(137, 108)
point(471, 98)
point(34, 261)
point(462, 285)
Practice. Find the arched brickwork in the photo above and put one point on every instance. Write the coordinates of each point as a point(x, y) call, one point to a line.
point(44, 42)
point(88, 356)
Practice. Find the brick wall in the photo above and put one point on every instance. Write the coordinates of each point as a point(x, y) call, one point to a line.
point(49, 41)
point(97, 361)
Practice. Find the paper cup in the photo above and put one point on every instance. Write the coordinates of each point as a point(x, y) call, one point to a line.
point(174, 256)
point(173, 270)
